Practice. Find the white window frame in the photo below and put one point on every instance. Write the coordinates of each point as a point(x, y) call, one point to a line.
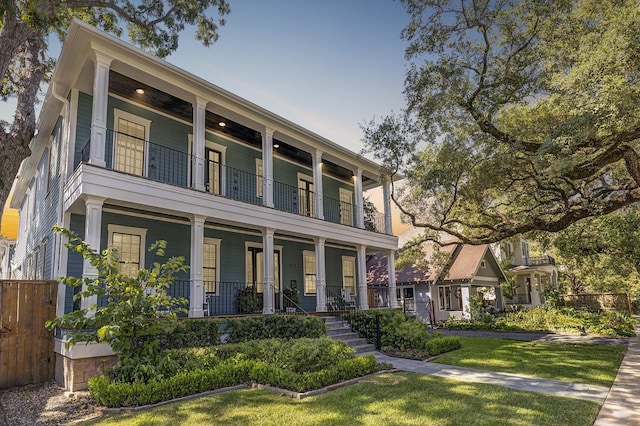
point(248, 244)
point(217, 243)
point(351, 259)
point(117, 115)
point(343, 191)
point(452, 296)
point(119, 229)
point(309, 179)
point(401, 300)
point(223, 160)
point(309, 253)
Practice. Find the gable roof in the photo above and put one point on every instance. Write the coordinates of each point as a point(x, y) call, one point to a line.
point(463, 264)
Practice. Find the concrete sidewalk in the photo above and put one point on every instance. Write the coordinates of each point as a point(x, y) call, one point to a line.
point(622, 406)
point(514, 381)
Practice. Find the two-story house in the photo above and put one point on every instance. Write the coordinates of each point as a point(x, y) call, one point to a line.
point(131, 149)
point(530, 275)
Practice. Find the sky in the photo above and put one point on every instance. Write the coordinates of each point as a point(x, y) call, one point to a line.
point(329, 66)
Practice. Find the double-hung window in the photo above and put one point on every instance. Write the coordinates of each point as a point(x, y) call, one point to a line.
point(129, 243)
point(210, 264)
point(309, 260)
point(131, 133)
point(349, 274)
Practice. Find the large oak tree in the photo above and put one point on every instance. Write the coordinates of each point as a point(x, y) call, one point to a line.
point(25, 27)
point(521, 115)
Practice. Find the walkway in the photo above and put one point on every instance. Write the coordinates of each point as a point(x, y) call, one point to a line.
point(547, 337)
point(622, 406)
point(514, 381)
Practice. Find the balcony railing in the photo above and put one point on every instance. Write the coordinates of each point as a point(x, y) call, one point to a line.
point(541, 261)
point(136, 156)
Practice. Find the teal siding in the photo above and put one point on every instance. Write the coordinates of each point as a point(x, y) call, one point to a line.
point(293, 269)
point(83, 126)
point(74, 262)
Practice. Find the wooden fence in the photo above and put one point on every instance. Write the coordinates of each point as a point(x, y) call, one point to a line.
point(600, 301)
point(26, 346)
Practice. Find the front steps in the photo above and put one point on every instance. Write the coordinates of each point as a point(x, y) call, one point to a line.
point(337, 329)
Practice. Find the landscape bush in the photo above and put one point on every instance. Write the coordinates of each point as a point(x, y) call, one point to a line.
point(548, 318)
point(273, 327)
point(227, 373)
point(439, 345)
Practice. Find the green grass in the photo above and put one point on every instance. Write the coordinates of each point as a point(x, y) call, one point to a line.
point(388, 399)
point(580, 363)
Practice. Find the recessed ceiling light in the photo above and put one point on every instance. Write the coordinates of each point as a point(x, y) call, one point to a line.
point(140, 91)
point(276, 146)
point(222, 124)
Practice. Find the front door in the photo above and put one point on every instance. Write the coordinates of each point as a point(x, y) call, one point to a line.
point(305, 189)
point(255, 273)
point(212, 171)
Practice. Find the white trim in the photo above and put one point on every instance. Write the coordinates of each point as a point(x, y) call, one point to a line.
point(341, 192)
point(223, 160)
point(81, 350)
point(259, 178)
point(111, 228)
point(355, 273)
point(306, 253)
point(483, 278)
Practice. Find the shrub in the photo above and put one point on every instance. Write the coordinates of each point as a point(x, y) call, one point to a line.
point(191, 333)
point(274, 326)
point(616, 323)
point(404, 333)
point(440, 345)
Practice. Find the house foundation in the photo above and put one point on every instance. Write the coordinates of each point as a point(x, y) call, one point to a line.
point(76, 364)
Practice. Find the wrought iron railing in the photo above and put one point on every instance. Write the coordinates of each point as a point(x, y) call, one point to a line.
point(337, 211)
point(341, 299)
point(379, 297)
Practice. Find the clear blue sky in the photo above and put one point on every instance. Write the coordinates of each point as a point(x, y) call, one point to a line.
point(327, 65)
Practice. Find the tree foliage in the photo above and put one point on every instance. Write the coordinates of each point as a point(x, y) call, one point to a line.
point(521, 115)
point(25, 26)
point(137, 309)
point(601, 254)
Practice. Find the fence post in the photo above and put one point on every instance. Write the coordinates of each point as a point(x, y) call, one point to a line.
point(378, 343)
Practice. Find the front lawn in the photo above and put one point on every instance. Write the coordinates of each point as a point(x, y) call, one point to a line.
point(590, 364)
point(387, 399)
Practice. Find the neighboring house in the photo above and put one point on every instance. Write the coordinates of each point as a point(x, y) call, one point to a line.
point(7, 249)
point(531, 275)
point(440, 289)
point(131, 149)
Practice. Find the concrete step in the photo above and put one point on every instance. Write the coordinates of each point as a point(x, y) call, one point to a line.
point(361, 349)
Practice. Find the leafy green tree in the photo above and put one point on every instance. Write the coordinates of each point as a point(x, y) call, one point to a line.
point(137, 308)
point(521, 115)
point(601, 254)
point(25, 26)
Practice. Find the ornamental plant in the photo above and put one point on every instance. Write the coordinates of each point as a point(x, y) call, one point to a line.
point(136, 310)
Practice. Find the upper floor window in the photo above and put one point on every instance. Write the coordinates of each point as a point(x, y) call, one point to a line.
point(305, 195)
point(130, 140)
point(346, 207)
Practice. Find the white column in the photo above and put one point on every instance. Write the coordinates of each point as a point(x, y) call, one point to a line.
point(357, 186)
point(317, 183)
point(196, 299)
point(268, 270)
point(92, 230)
point(466, 306)
point(363, 300)
point(267, 167)
point(61, 268)
point(321, 277)
point(386, 198)
point(198, 164)
point(99, 111)
point(391, 259)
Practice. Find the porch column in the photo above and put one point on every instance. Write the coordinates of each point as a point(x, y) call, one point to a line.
point(363, 300)
point(321, 279)
point(317, 183)
point(535, 290)
point(466, 306)
point(196, 299)
point(61, 267)
point(267, 167)
point(99, 111)
point(198, 162)
point(386, 198)
point(357, 186)
point(391, 258)
point(269, 277)
point(92, 228)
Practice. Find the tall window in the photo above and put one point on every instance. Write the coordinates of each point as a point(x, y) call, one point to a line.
point(305, 195)
point(349, 274)
point(346, 207)
point(255, 268)
point(212, 171)
point(309, 260)
point(450, 298)
point(129, 140)
point(210, 262)
point(129, 242)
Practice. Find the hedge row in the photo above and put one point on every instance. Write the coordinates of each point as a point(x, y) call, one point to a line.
point(206, 332)
point(228, 373)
